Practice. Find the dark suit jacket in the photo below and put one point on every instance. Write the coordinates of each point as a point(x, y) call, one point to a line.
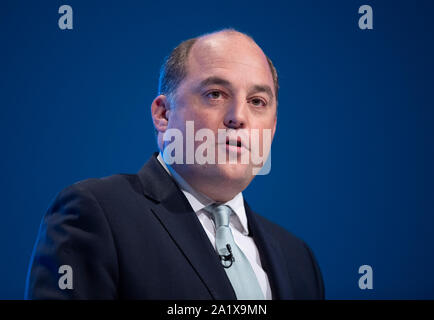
point(137, 237)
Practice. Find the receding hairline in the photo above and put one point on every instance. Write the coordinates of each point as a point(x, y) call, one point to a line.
point(172, 84)
point(229, 32)
point(224, 32)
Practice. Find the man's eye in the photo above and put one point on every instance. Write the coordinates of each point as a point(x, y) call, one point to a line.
point(214, 94)
point(258, 102)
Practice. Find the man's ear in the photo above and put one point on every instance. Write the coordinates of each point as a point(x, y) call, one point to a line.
point(160, 112)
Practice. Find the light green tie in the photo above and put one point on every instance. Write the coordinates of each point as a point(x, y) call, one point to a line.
point(235, 263)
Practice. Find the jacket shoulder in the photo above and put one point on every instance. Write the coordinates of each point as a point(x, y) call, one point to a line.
point(109, 194)
point(117, 183)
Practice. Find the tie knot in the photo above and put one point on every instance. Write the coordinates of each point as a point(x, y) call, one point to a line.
point(221, 215)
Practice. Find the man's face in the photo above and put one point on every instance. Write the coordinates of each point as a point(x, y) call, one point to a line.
point(228, 86)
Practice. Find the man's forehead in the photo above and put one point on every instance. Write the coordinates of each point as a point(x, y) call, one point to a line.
point(225, 53)
point(225, 45)
point(225, 37)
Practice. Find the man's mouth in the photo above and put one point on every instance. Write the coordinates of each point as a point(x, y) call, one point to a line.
point(235, 145)
point(233, 142)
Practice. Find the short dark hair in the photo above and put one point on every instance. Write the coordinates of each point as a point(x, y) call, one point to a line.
point(174, 68)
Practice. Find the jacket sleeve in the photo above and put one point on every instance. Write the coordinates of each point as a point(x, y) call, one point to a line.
point(74, 256)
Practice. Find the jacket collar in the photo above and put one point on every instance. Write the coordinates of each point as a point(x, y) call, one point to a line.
point(177, 216)
point(272, 257)
point(199, 201)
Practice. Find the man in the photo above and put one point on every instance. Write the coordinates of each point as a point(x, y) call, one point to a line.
point(181, 229)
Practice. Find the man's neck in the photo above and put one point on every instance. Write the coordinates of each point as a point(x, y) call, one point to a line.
point(186, 183)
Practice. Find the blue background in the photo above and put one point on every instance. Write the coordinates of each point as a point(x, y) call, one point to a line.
point(352, 170)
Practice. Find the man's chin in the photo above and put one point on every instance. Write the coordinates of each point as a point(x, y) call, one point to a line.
point(237, 173)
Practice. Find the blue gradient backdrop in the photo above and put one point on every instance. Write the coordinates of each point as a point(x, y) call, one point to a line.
point(352, 171)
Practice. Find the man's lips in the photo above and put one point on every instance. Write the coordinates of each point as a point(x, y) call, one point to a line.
point(237, 143)
point(233, 142)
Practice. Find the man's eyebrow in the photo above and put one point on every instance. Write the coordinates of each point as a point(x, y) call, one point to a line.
point(223, 82)
point(262, 88)
point(215, 80)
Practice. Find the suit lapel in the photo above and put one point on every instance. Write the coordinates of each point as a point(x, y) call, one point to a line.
point(178, 218)
point(272, 258)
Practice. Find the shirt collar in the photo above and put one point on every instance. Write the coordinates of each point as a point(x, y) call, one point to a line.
point(199, 201)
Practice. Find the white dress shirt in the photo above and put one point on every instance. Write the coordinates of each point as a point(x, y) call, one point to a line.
point(238, 224)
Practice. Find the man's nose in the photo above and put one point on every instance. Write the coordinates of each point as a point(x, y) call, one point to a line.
point(235, 116)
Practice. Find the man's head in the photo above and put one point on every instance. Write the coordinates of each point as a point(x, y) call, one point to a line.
point(174, 69)
point(222, 82)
